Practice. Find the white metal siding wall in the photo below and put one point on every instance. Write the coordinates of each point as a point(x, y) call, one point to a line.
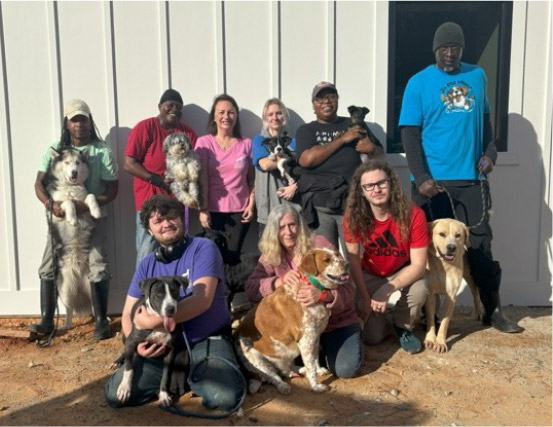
point(120, 57)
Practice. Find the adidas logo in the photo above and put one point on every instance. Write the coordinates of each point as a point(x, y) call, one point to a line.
point(386, 245)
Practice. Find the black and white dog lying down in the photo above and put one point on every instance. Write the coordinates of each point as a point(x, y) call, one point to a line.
point(237, 269)
point(160, 298)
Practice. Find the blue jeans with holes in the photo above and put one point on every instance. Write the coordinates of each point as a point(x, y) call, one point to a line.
point(343, 350)
point(216, 382)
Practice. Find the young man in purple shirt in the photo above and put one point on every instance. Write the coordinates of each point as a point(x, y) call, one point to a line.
point(202, 315)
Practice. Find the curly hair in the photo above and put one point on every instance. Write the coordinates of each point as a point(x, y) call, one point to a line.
point(269, 244)
point(212, 126)
point(166, 206)
point(359, 215)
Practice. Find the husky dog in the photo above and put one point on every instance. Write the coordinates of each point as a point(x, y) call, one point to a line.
point(64, 183)
point(183, 167)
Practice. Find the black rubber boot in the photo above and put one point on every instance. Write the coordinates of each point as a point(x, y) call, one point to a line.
point(99, 292)
point(487, 275)
point(493, 316)
point(47, 308)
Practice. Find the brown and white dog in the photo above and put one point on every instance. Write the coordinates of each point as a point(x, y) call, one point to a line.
point(279, 328)
point(447, 266)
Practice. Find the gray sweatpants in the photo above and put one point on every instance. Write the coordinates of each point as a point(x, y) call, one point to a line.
point(405, 314)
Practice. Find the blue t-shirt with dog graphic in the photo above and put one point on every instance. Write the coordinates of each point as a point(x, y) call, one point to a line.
point(449, 108)
point(201, 258)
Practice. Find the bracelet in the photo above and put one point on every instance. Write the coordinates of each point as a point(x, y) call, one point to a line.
point(324, 294)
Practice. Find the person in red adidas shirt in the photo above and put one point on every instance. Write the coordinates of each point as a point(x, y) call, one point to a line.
point(394, 237)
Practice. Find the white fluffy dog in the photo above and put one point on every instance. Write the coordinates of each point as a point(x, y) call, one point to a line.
point(183, 168)
point(65, 182)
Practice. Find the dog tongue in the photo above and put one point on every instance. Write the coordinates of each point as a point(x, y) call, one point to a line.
point(169, 323)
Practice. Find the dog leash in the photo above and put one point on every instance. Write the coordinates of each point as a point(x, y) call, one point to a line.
point(173, 409)
point(46, 342)
point(486, 202)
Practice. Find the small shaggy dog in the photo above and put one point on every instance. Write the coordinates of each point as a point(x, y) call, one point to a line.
point(64, 183)
point(183, 168)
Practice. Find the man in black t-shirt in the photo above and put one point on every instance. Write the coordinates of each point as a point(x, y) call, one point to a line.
point(329, 151)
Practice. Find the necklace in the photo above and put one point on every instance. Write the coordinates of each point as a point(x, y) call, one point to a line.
point(224, 144)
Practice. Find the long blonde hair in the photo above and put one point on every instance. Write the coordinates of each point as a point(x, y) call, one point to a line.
point(269, 244)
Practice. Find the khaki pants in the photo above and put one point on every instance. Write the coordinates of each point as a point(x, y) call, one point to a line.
point(405, 314)
point(98, 263)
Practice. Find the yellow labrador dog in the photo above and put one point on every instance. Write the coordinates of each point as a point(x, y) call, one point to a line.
point(444, 276)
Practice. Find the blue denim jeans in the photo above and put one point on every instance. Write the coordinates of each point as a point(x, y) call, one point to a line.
point(343, 350)
point(145, 243)
point(216, 382)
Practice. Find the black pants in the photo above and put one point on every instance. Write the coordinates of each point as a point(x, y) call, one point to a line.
point(468, 205)
point(235, 230)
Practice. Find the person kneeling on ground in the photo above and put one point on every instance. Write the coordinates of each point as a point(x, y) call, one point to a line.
point(202, 316)
point(286, 238)
point(394, 236)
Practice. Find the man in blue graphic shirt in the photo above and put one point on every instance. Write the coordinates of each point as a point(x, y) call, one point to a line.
point(447, 135)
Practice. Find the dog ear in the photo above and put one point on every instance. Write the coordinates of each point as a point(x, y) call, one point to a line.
point(467, 236)
point(308, 263)
point(54, 153)
point(146, 284)
point(366, 111)
point(351, 109)
point(182, 281)
point(84, 152)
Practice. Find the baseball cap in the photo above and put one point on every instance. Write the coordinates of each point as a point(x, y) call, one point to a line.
point(76, 107)
point(320, 86)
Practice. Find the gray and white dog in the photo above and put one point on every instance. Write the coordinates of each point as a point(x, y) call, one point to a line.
point(64, 182)
point(183, 168)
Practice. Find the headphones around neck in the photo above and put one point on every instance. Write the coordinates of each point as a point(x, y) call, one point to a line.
point(166, 254)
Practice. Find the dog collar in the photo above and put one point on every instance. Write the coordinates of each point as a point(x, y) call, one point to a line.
point(306, 277)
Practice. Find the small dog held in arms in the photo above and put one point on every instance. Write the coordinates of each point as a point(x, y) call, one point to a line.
point(160, 299)
point(183, 168)
point(357, 117)
point(447, 266)
point(279, 151)
point(64, 182)
point(279, 328)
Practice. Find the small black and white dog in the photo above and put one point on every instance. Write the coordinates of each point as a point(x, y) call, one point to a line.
point(183, 167)
point(279, 151)
point(237, 269)
point(160, 298)
point(64, 182)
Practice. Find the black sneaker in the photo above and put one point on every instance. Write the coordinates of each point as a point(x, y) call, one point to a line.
point(408, 341)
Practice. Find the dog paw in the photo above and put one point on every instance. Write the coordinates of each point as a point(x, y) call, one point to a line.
point(322, 371)
point(319, 388)
point(123, 392)
point(302, 370)
point(429, 344)
point(254, 386)
point(96, 213)
point(284, 388)
point(440, 347)
point(164, 399)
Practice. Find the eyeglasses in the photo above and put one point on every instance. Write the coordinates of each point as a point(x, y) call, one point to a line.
point(382, 184)
point(331, 97)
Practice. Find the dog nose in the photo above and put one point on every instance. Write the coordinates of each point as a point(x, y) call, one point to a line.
point(451, 248)
point(170, 310)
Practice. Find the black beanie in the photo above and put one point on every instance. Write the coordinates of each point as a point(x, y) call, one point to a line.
point(448, 33)
point(171, 95)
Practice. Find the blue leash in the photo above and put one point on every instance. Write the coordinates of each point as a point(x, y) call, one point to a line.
point(173, 409)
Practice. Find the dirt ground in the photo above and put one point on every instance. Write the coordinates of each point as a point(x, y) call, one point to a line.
point(487, 378)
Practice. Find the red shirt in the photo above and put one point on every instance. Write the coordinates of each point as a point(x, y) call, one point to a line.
point(384, 253)
point(145, 144)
